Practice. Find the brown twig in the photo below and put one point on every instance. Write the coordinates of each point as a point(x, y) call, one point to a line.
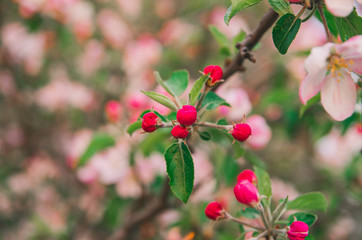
point(236, 65)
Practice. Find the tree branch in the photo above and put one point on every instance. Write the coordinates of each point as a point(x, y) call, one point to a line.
point(236, 65)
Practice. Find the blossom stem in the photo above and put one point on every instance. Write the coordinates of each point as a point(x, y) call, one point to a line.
point(263, 216)
point(263, 234)
point(229, 217)
point(324, 21)
point(204, 92)
point(212, 125)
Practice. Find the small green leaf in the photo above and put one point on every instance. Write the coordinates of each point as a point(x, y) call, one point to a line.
point(239, 151)
point(180, 169)
point(349, 26)
point(253, 159)
point(100, 141)
point(309, 201)
point(197, 88)
point(134, 126)
point(160, 99)
point(311, 102)
point(285, 31)
point(281, 7)
point(178, 82)
point(205, 136)
point(212, 101)
point(307, 218)
point(264, 184)
point(236, 6)
point(220, 38)
point(279, 209)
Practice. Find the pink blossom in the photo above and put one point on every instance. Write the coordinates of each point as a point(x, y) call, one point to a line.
point(239, 101)
point(115, 31)
point(261, 133)
point(75, 145)
point(173, 32)
point(341, 8)
point(130, 8)
point(128, 186)
point(91, 59)
point(165, 8)
point(7, 84)
point(329, 70)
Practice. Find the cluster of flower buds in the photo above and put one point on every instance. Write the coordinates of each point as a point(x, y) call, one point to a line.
point(245, 191)
point(186, 116)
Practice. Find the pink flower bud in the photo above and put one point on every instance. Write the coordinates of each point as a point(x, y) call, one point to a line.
point(298, 230)
point(215, 73)
point(186, 115)
point(241, 132)
point(214, 211)
point(248, 175)
point(246, 193)
point(149, 122)
point(179, 132)
point(113, 110)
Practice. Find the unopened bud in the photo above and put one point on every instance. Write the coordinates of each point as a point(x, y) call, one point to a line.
point(149, 122)
point(179, 131)
point(214, 211)
point(246, 193)
point(241, 132)
point(249, 175)
point(298, 230)
point(186, 115)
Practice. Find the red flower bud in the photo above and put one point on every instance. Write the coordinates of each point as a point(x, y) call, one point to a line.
point(248, 175)
point(246, 193)
point(241, 132)
point(215, 72)
point(113, 110)
point(186, 115)
point(298, 230)
point(214, 211)
point(179, 132)
point(149, 122)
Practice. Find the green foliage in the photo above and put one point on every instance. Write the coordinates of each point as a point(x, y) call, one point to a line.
point(134, 126)
point(163, 119)
point(254, 159)
point(180, 169)
point(308, 218)
point(264, 184)
point(212, 101)
point(236, 6)
point(100, 141)
point(205, 135)
point(197, 88)
point(311, 102)
point(221, 40)
point(308, 202)
point(281, 7)
point(161, 99)
point(279, 209)
point(178, 82)
point(285, 31)
point(349, 26)
point(250, 213)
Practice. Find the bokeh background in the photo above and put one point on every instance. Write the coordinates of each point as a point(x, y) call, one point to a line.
point(61, 61)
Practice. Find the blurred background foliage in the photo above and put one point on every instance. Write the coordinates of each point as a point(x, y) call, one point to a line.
point(61, 61)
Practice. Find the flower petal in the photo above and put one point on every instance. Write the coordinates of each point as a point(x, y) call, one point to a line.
point(352, 50)
point(340, 8)
point(338, 96)
point(316, 67)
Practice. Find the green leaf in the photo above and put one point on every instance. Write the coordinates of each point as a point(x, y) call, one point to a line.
point(236, 6)
point(264, 184)
point(285, 31)
point(349, 26)
point(212, 101)
point(178, 82)
point(239, 151)
point(309, 201)
point(160, 99)
point(307, 218)
point(220, 38)
point(239, 38)
point(100, 141)
point(134, 126)
point(331, 21)
point(311, 102)
point(250, 213)
point(197, 88)
point(180, 169)
point(205, 135)
point(280, 209)
point(281, 7)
